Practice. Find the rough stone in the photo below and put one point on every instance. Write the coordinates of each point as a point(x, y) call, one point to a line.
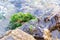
point(17, 35)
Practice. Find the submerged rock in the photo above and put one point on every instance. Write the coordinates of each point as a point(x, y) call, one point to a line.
point(42, 9)
point(37, 27)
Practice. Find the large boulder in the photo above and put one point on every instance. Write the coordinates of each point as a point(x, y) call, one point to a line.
point(17, 35)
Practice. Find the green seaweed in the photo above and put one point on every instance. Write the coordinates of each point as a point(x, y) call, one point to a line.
point(18, 19)
point(31, 27)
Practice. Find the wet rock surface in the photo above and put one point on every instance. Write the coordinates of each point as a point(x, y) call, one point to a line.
point(40, 8)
